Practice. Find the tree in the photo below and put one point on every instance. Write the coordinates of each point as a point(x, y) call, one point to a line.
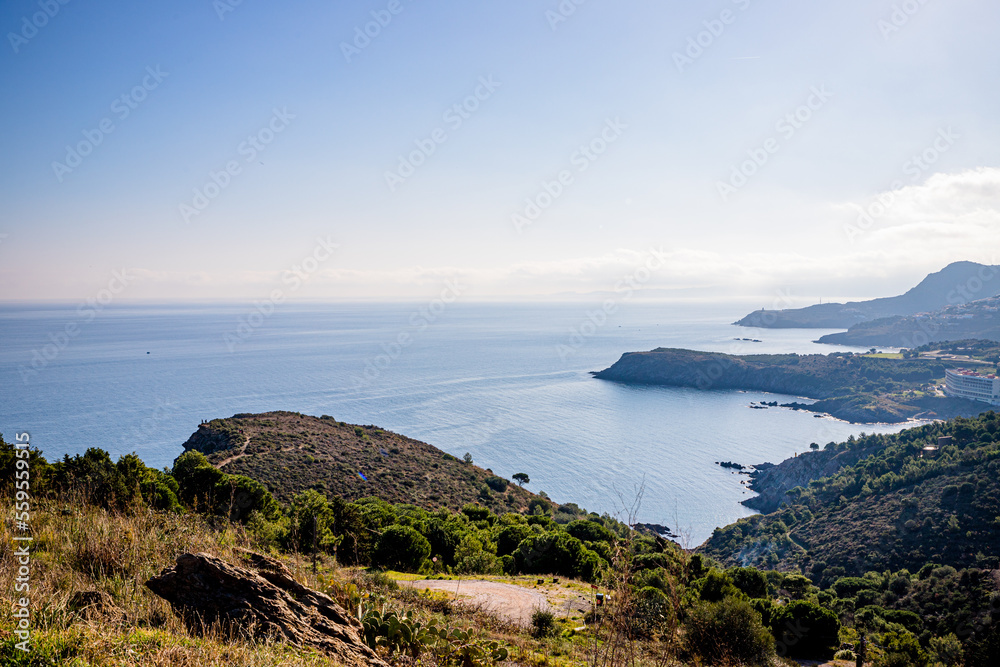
point(402, 548)
point(729, 631)
point(521, 478)
point(804, 629)
point(814, 446)
point(467, 458)
point(749, 580)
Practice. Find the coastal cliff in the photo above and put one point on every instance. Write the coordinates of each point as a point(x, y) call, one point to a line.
point(773, 482)
point(855, 388)
point(799, 376)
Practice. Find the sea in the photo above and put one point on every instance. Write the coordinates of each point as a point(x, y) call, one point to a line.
point(509, 384)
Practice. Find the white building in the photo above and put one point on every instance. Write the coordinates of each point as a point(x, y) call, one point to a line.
point(964, 383)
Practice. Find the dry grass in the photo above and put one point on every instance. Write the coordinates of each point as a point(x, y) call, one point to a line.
point(79, 549)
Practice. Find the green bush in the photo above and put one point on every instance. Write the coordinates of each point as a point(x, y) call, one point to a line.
point(510, 536)
point(589, 531)
point(498, 484)
point(804, 629)
point(749, 580)
point(543, 623)
point(727, 632)
point(653, 613)
point(402, 548)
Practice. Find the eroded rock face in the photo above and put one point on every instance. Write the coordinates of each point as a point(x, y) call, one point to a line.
point(260, 599)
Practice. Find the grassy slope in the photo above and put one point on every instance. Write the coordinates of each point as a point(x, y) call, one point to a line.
point(890, 510)
point(290, 452)
point(79, 549)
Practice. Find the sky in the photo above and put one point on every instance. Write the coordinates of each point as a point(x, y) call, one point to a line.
point(386, 149)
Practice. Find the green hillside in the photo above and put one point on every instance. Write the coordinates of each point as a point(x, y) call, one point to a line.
point(896, 508)
point(974, 320)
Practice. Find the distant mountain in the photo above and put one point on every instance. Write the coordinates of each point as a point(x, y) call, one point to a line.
point(977, 319)
point(289, 452)
point(957, 283)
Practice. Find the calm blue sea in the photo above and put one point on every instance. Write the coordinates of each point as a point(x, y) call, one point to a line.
point(508, 383)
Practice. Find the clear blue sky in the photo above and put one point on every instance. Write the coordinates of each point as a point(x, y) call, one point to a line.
point(890, 88)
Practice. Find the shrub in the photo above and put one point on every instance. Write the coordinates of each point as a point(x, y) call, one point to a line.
point(478, 513)
point(589, 531)
point(727, 632)
point(510, 536)
point(472, 557)
point(715, 586)
point(543, 623)
point(948, 650)
point(804, 629)
point(402, 548)
point(653, 612)
point(498, 484)
point(749, 580)
point(556, 553)
point(539, 506)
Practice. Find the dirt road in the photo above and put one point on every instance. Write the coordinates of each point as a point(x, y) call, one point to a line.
point(515, 603)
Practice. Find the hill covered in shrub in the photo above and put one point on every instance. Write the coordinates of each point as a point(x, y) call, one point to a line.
point(289, 452)
point(898, 507)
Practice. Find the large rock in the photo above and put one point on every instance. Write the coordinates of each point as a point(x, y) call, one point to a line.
point(260, 600)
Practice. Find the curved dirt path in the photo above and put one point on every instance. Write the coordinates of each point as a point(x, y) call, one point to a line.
point(238, 455)
point(515, 603)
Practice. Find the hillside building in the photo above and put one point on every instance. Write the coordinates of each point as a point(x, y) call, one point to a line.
point(963, 383)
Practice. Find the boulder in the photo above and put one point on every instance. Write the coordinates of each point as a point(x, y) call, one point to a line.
point(261, 600)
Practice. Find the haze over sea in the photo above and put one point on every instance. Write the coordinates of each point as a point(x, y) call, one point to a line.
point(487, 379)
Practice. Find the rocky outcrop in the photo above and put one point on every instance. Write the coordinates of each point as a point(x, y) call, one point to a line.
point(773, 482)
point(260, 600)
point(711, 370)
